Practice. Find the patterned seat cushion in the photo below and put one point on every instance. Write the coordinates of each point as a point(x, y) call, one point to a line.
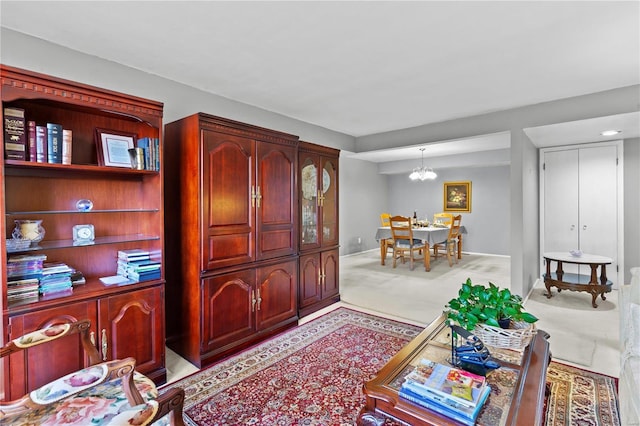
point(103, 404)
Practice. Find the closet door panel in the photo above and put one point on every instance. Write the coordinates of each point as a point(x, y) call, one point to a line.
point(561, 201)
point(598, 204)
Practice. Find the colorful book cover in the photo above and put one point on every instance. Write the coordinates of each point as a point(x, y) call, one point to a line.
point(14, 134)
point(31, 133)
point(465, 415)
point(452, 383)
point(41, 144)
point(144, 144)
point(54, 143)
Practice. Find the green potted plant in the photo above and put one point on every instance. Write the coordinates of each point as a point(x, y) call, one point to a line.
point(490, 305)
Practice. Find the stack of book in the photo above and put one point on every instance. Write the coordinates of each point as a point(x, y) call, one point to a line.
point(137, 265)
point(56, 278)
point(452, 392)
point(23, 276)
point(151, 148)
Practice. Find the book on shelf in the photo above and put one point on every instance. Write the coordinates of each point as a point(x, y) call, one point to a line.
point(31, 138)
point(151, 148)
point(54, 143)
point(67, 144)
point(144, 276)
point(465, 415)
point(15, 147)
point(41, 144)
point(133, 254)
point(442, 382)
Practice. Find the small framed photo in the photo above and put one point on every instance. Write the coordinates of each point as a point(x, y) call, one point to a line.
point(113, 147)
point(457, 196)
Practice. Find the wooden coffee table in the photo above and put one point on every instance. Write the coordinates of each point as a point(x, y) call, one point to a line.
point(518, 386)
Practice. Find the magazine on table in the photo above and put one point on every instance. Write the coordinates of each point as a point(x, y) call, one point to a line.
point(462, 414)
point(441, 382)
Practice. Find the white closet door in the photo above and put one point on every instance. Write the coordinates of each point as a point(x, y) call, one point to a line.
point(561, 203)
point(561, 200)
point(598, 204)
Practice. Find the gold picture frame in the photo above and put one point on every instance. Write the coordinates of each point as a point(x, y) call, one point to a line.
point(457, 196)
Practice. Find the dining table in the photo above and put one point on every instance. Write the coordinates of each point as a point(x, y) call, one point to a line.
point(430, 235)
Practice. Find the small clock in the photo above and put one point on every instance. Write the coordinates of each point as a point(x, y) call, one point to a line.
point(83, 234)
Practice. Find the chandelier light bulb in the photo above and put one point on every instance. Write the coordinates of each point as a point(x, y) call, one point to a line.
point(423, 173)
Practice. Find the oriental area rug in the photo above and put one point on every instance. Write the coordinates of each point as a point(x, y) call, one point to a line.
point(313, 375)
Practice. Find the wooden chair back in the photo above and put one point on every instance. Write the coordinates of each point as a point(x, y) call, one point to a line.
point(401, 230)
point(444, 218)
point(454, 230)
point(118, 374)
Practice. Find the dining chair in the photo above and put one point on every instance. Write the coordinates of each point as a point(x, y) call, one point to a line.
point(451, 243)
point(405, 245)
point(385, 220)
point(105, 393)
point(443, 218)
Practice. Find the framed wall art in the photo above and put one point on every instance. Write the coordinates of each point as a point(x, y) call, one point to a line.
point(113, 148)
point(457, 196)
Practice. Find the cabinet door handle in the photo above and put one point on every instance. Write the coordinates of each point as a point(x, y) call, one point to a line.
point(584, 227)
point(258, 196)
point(105, 344)
point(253, 196)
point(92, 337)
point(573, 227)
point(259, 299)
point(253, 301)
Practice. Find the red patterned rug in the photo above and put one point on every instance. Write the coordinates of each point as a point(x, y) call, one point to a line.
point(579, 397)
point(313, 375)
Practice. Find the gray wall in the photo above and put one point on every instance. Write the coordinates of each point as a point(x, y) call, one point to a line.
point(631, 150)
point(488, 223)
point(363, 190)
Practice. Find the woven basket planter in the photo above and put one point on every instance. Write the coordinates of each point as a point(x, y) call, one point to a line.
point(516, 337)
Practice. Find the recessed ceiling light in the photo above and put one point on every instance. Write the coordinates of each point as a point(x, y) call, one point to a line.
point(610, 132)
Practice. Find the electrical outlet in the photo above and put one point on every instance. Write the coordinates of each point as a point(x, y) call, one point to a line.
point(359, 240)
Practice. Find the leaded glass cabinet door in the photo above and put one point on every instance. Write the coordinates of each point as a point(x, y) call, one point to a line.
point(329, 202)
point(309, 204)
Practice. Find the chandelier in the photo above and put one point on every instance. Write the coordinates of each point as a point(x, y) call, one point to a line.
point(422, 172)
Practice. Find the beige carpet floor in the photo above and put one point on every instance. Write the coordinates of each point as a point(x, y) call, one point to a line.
point(580, 335)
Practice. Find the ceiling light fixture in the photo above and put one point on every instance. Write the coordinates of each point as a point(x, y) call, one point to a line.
point(610, 132)
point(422, 172)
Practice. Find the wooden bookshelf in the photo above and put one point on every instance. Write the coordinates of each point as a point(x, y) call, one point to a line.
point(127, 213)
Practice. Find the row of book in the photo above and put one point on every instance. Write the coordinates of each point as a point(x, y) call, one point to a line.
point(27, 141)
point(137, 265)
point(30, 275)
point(151, 148)
point(452, 392)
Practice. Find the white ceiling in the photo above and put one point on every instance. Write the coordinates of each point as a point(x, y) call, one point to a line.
point(359, 67)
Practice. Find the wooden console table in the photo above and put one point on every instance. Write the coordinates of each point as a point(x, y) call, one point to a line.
point(518, 386)
point(578, 282)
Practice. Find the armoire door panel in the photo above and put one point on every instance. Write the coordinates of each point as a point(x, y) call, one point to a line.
point(275, 206)
point(228, 311)
point(330, 270)
point(310, 290)
point(277, 294)
point(228, 209)
point(229, 250)
point(329, 202)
